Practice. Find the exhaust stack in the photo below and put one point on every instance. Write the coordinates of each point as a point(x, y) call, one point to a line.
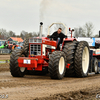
point(41, 29)
point(99, 33)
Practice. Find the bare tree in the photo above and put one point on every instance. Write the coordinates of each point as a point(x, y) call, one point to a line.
point(4, 33)
point(89, 28)
point(11, 34)
point(25, 35)
point(96, 35)
point(76, 32)
point(79, 32)
point(85, 31)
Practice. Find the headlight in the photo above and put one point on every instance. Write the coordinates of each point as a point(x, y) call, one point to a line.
point(39, 53)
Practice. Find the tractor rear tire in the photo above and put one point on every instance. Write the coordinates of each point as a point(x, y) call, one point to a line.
point(57, 66)
point(82, 59)
point(95, 65)
point(15, 70)
point(69, 49)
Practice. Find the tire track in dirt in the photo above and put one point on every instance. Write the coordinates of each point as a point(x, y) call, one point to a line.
point(31, 87)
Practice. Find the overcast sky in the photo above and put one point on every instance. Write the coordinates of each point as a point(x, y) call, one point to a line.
point(18, 15)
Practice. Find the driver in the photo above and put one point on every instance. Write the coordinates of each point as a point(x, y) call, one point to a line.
point(58, 35)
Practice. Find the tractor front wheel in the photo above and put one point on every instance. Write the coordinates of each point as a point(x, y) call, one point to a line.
point(57, 65)
point(15, 70)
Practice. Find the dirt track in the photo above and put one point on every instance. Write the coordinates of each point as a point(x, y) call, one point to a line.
point(43, 88)
point(4, 57)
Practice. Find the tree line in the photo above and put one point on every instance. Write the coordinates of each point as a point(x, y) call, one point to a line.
point(5, 35)
point(82, 31)
point(87, 30)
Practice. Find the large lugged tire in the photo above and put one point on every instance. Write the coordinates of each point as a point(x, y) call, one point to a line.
point(82, 59)
point(95, 67)
point(57, 66)
point(15, 70)
point(25, 47)
point(69, 49)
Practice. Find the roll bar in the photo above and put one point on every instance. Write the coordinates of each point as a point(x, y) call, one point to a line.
point(57, 23)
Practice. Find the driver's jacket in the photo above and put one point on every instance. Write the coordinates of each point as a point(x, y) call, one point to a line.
point(55, 36)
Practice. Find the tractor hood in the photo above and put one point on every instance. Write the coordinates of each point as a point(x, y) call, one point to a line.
point(43, 40)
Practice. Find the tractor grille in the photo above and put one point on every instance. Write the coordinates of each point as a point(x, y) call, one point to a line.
point(35, 49)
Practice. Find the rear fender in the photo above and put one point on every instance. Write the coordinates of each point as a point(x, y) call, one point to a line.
point(68, 40)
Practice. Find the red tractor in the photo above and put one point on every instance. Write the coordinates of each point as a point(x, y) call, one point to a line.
point(40, 55)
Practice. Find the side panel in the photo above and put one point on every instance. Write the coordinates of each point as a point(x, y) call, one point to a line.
point(48, 42)
point(70, 39)
point(47, 46)
point(91, 41)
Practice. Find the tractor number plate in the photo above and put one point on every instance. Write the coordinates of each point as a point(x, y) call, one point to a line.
point(26, 61)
